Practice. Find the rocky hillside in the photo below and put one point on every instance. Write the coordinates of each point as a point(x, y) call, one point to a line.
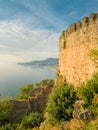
point(36, 102)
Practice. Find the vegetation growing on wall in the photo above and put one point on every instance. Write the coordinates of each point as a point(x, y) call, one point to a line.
point(94, 56)
point(89, 91)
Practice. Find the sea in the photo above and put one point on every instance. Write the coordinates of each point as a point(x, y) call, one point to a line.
point(13, 76)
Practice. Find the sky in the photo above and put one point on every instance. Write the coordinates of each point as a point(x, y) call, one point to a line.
point(30, 29)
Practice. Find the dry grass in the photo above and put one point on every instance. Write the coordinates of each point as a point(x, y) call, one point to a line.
point(74, 124)
point(93, 125)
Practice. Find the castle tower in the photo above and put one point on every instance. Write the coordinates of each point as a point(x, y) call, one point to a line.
point(75, 43)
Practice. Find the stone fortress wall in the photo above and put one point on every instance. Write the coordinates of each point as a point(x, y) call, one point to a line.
point(75, 43)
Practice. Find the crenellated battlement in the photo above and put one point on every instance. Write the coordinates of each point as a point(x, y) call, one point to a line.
point(86, 21)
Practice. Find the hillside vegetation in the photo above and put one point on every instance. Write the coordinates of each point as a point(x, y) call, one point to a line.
point(59, 111)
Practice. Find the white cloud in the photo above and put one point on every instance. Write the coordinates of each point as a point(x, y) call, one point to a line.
point(73, 13)
point(30, 36)
point(41, 15)
point(17, 43)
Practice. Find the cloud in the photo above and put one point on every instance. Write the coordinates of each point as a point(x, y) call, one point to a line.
point(21, 43)
point(73, 13)
point(29, 30)
point(41, 15)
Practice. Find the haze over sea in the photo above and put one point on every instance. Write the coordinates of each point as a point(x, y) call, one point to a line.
point(13, 76)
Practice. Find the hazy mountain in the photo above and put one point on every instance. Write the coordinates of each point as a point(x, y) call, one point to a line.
point(40, 63)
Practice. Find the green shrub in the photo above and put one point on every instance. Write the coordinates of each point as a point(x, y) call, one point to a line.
point(93, 125)
point(5, 108)
point(86, 92)
point(24, 91)
point(94, 56)
point(11, 126)
point(32, 120)
point(60, 103)
point(38, 84)
point(89, 93)
point(6, 127)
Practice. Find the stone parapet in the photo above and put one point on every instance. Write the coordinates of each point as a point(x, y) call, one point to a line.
point(79, 25)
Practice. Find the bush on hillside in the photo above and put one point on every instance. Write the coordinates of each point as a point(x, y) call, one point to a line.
point(7, 126)
point(32, 120)
point(24, 92)
point(5, 108)
point(60, 103)
point(89, 93)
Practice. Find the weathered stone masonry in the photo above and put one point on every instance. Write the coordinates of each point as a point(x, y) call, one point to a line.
point(75, 44)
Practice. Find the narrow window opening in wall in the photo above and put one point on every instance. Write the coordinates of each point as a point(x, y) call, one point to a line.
point(64, 45)
point(95, 16)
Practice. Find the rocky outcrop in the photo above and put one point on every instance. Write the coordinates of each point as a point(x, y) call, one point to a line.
point(75, 44)
point(81, 113)
point(19, 109)
point(39, 97)
point(36, 102)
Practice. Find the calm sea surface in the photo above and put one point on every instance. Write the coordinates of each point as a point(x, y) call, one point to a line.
point(13, 76)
